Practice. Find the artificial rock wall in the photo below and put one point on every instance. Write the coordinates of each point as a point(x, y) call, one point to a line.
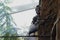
point(49, 11)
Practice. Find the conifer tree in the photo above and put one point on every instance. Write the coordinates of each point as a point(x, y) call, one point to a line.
point(6, 21)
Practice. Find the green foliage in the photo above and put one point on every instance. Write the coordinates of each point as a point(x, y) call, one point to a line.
point(10, 38)
point(6, 21)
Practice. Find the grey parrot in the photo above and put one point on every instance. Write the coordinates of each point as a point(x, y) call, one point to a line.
point(35, 22)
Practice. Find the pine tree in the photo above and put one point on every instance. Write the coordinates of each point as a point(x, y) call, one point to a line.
point(6, 22)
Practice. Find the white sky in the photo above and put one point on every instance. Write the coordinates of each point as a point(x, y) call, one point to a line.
point(21, 2)
point(23, 20)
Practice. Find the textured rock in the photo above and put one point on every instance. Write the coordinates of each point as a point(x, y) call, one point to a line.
point(49, 14)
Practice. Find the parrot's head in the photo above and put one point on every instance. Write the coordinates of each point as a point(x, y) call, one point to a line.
point(37, 10)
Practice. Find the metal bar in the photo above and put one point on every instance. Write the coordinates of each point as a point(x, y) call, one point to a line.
point(23, 8)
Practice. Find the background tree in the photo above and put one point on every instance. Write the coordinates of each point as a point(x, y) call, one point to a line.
point(6, 21)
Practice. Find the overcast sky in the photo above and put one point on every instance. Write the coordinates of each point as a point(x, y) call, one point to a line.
point(24, 19)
